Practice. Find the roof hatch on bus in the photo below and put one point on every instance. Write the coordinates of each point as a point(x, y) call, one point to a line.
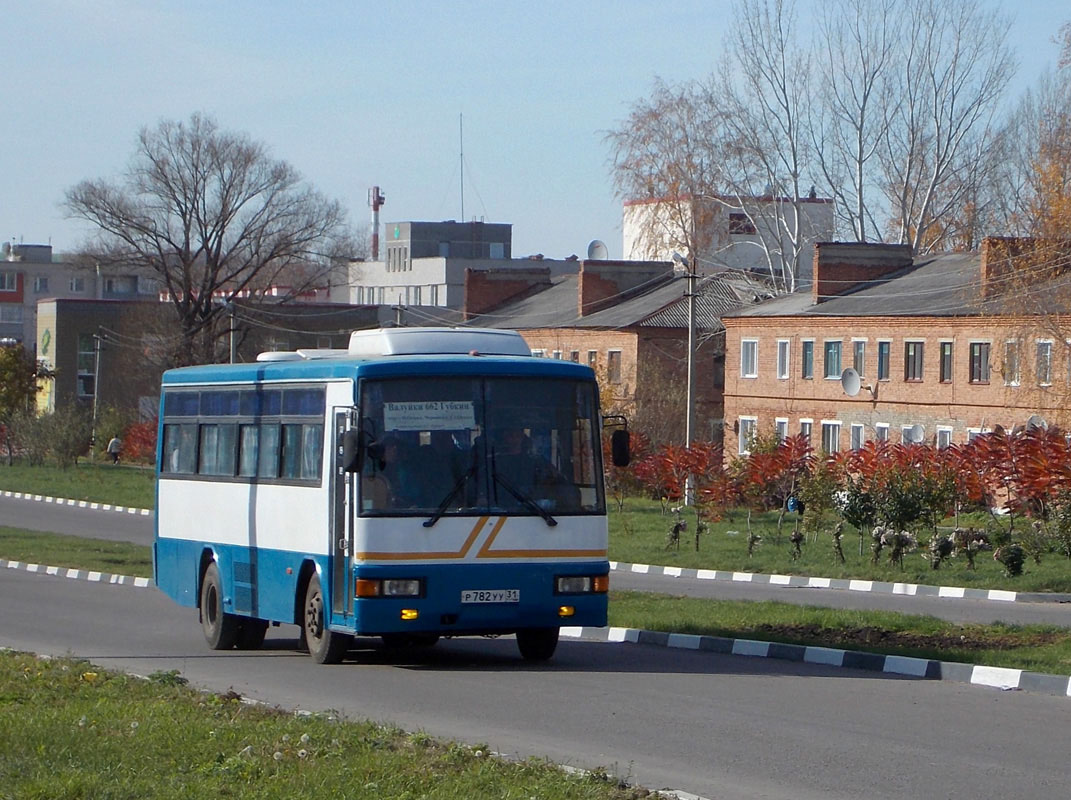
point(428, 341)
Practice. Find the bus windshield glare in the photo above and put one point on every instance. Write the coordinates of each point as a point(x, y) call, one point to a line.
point(471, 446)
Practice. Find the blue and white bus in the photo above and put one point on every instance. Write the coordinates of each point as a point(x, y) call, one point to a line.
point(423, 482)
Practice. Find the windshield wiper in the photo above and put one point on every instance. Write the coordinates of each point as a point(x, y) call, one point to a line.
point(525, 500)
point(450, 497)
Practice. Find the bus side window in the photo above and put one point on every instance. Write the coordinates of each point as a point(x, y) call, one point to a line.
point(180, 449)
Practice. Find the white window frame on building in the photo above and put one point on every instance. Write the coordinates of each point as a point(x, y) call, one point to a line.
point(40, 284)
point(944, 436)
point(781, 427)
point(784, 351)
point(831, 436)
point(85, 366)
point(946, 360)
point(881, 432)
point(807, 429)
point(973, 433)
point(77, 284)
point(539, 352)
point(749, 358)
point(11, 313)
point(747, 427)
point(807, 359)
point(858, 437)
point(980, 352)
point(914, 360)
point(859, 355)
point(1043, 361)
point(832, 358)
point(613, 366)
point(9, 281)
point(556, 354)
point(884, 368)
point(906, 433)
point(1011, 367)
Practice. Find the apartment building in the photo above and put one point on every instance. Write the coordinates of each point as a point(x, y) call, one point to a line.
point(943, 348)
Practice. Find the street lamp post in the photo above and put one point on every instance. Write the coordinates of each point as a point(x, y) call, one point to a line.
point(689, 414)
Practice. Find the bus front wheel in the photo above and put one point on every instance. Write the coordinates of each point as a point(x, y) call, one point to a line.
point(220, 629)
point(537, 644)
point(325, 646)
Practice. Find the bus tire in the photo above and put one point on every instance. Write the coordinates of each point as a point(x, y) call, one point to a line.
point(537, 644)
point(220, 628)
point(325, 646)
point(251, 632)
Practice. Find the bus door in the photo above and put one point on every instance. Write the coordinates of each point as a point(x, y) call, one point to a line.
point(343, 487)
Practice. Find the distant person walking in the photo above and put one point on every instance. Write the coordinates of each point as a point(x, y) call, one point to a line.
point(115, 446)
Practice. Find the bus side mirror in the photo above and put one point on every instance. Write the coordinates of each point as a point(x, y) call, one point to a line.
point(352, 451)
point(619, 448)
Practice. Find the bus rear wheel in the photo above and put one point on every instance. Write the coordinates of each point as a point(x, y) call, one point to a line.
point(325, 645)
point(220, 629)
point(537, 644)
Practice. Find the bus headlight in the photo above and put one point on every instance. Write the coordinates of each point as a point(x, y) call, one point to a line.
point(582, 584)
point(389, 587)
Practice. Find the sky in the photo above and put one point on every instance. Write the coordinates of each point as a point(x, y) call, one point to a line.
point(360, 94)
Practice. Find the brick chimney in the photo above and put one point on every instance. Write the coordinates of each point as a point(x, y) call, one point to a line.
point(998, 260)
point(840, 267)
point(600, 284)
point(486, 289)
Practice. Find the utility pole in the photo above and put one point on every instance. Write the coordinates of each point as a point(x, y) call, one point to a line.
point(689, 412)
point(233, 334)
point(98, 341)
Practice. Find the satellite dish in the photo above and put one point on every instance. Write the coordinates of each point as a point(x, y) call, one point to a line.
point(597, 250)
point(850, 382)
point(915, 433)
point(1037, 421)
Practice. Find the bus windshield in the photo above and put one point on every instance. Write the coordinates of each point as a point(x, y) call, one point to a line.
point(448, 446)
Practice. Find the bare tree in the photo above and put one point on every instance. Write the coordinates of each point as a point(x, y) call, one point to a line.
point(858, 45)
point(951, 77)
point(768, 130)
point(665, 160)
point(213, 217)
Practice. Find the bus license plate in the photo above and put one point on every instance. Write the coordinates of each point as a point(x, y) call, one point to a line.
point(490, 595)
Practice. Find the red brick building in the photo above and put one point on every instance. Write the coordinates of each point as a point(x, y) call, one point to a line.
point(942, 342)
point(629, 321)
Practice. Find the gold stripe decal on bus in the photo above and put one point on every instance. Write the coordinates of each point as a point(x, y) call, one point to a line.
point(457, 554)
point(485, 551)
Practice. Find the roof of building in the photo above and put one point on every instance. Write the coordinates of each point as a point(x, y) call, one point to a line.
point(947, 285)
point(662, 303)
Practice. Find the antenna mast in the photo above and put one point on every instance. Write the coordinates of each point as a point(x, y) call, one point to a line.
point(461, 138)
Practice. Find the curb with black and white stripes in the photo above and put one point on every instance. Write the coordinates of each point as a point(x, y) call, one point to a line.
point(976, 674)
point(64, 501)
point(929, 669)
point(851, 585)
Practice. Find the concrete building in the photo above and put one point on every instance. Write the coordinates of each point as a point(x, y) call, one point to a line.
point(947, 343)
point(425, 263)
point(30, 273)
point(727, 232)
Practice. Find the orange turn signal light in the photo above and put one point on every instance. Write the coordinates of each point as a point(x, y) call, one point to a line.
point(601, 584)
point(366, 588)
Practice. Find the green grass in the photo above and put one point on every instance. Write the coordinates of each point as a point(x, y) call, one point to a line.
point(69, 729)
point(638, 535)
point(100, 483)
point(1037, 648)
point(61, 550)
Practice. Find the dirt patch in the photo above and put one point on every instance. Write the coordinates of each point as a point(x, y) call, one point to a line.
point(959, 639)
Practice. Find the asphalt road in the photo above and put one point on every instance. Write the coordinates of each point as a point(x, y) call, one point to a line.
point(715, 725)
point(121, 526)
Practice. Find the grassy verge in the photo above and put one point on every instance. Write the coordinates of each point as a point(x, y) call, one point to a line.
point(1037, 648)
point(60, 550)
point(98, 483)
point(639, 535)
point(69, 729)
